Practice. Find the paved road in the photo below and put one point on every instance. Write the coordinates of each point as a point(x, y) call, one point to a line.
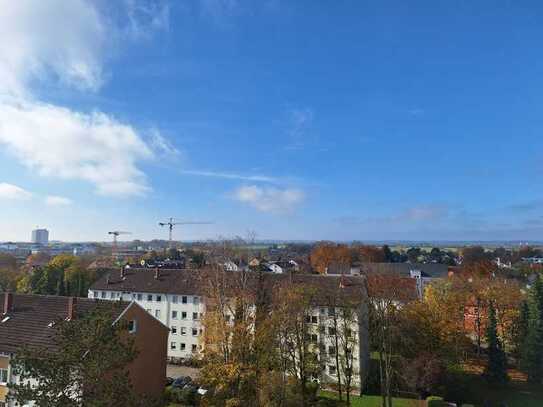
point(176, 371)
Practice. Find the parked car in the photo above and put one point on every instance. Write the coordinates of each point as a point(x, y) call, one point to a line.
point(181, 382)
point(169, 381)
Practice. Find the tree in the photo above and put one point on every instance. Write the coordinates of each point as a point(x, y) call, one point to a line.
point(297, 338)
point(496, 369)
point(387, 294)
point(86, 366)
point(372, 254)
point(326, 254)
point(474, 254)
point(532, 355)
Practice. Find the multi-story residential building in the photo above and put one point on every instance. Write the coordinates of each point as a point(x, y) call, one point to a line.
point(177, 298)
point(27, 320)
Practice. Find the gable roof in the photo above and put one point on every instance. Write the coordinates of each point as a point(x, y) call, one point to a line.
point(31, 316)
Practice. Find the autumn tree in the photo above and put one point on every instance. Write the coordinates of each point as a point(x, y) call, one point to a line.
point(387, 295)
point(372, 254)
point(326, 254)
point(297, 337)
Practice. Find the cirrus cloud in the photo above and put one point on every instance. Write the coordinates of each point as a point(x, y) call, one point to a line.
point(270, 199)
point(13, 192)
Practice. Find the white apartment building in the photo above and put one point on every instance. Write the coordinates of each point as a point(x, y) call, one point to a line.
point(181, 312)
point(177, 299)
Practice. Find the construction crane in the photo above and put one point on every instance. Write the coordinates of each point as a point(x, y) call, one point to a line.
point(116, 234)
point(171, 223)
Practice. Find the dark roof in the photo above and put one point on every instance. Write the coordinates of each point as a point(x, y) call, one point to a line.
point(433, 270)
point(31, 315)
point(169, 281)
point(197, 282)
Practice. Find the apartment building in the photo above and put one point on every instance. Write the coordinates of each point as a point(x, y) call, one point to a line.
point(27, 320)
point(177, 298)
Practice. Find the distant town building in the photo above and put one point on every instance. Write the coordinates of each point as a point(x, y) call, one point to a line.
point(40, 236)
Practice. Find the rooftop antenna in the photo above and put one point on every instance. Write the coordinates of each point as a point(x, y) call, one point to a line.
point(171, 223)
point(116, 234)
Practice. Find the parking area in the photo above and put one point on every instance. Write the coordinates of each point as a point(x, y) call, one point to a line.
point(175, 371)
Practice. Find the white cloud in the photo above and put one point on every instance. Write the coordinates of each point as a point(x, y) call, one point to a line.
point(13, 192)
point(270, 199)
point(55, 38)
point(66, 43)
point(57, 142)
point(162, 145)
point(53, 200)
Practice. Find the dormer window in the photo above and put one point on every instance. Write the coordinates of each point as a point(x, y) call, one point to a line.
point(132, 326)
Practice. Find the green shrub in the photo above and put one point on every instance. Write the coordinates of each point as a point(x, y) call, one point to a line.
point(435, 401)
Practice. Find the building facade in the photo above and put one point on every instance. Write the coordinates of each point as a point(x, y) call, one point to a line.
point(40, 236)
point(177, 298)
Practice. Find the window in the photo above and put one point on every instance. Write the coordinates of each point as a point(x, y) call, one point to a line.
point(194, 332)
point(103, 294)
point(140, 297)
point(314, 338)
point(331, 331)
point(132, 326)
point(195, 315)
point(174, 314)
point(149, 297)
point(174, 299)
point(173, 346)
point(194, 348)
point(184, 299)
point(95, 294)
point(183, 346)
point(314, 319)
point(112, 295)
point(133, 296)
point(174, 330)
point(183, 315)
point(196, 300)
point(201, 316)
point(332, 370)
point(331, 312)
point(3, 376)
point(183, 330)
point(158, 298)
point(331, 350)
point(157, 313)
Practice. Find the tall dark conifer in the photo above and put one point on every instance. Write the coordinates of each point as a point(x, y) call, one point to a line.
point(496, 370)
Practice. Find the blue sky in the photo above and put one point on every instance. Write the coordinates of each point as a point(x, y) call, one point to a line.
point(314, 120)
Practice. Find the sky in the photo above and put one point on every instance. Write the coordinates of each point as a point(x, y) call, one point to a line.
point(297, 120)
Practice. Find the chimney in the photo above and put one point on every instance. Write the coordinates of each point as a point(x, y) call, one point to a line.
point(8, 302)
point(72, 302)
point(122, 273)
point(157, 273)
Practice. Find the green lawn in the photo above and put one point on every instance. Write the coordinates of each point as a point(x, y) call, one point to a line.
point(373, 401)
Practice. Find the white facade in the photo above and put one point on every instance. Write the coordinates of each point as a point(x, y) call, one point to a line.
point(40, 236)
point(182, 314)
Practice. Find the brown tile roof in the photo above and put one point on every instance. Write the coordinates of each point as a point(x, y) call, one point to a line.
point(28, 323)
point(198, 282)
